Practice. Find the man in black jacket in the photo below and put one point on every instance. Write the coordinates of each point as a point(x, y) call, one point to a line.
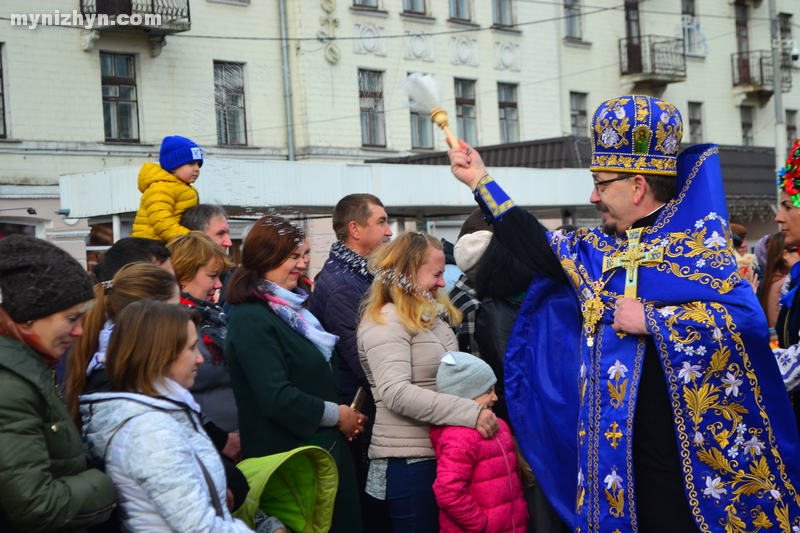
point(361, 226)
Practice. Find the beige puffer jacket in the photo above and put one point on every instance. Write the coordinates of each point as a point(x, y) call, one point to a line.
point(401, 369)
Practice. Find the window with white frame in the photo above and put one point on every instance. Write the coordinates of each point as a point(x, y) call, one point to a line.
point(370, 95)
point(509, 114)
point(691, 28)
point(572, 20)
point(501, 13)
point(695, 122)
point(466, 111)
point(747, 117)
point(421, 130)
point(366, 3)
point(229, 103)
point(417, 7)
point(579, 121)
point(459, 10)
point(120, 108)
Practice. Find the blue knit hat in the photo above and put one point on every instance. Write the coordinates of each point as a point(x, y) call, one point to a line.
point(177, 151)
point(464, 375)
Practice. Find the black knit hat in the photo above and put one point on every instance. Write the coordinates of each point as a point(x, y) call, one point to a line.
point(38, 279)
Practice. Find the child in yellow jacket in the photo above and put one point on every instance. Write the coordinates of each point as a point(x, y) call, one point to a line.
point(166, 189)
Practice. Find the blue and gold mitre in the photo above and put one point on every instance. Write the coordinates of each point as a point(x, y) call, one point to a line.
point(636, 134)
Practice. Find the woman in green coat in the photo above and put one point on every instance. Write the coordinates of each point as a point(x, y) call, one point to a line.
point(44, 482)
point(282, 363)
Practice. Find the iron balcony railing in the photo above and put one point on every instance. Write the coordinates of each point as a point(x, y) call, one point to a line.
point(661, 57)
point(171, 11)
point(755, 69)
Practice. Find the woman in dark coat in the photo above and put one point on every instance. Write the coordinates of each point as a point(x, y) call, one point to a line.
point(44, 482)
point(283, 365)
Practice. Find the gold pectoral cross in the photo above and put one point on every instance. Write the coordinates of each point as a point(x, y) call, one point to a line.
point(592, 309)
point(633, 257)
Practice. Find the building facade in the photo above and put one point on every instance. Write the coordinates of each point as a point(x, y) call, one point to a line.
point(78, 99)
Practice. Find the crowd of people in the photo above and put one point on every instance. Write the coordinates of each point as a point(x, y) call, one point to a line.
point(610, 379)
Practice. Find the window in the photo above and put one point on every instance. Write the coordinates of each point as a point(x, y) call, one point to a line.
point(459, 9)
point(747, 125)
point(791, 128)
point(785, 25)
point(695, 122)
point(120, 114)
point(229, 103)
point(509, 116)
point(366, 3)
point(466, 112)
point(742, 42)
point(3, 133)
point(370, 94)
point(421, 131)
point(577, 112)
point(414, 6)
point(501, 10)
point(572, 20)
point(690, 28)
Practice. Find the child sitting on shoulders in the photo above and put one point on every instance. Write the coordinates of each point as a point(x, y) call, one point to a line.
point(477, 485)
point(167, 190)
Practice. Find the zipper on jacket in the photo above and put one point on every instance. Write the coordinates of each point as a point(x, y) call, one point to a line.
point(510, 484)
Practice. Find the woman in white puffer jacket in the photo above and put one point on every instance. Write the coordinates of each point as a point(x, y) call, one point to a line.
point(148, 432)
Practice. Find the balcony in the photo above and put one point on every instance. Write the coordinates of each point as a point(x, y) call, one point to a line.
point(754, 73)
point(163, 17)
point(652, 61)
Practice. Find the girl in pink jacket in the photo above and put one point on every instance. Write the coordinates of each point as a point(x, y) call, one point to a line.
point(477, 482)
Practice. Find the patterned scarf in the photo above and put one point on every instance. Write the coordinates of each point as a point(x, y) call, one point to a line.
point(213, 326)
point(351, 259)
point(288, 306)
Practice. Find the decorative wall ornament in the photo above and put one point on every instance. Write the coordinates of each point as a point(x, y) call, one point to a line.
point(157, 42)
point(368, 39)
point(507, 56)
point(88, 38)
point(328, 32)
point(418, 45)
point(463, 51)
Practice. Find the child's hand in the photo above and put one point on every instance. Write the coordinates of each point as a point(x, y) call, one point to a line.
point(487, 424)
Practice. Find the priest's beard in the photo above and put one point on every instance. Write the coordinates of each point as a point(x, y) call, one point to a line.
point(610, 227)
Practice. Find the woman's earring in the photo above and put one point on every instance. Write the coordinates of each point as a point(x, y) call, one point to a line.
point(29, 322)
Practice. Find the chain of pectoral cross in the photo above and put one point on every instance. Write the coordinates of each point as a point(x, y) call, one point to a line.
point(593, 307)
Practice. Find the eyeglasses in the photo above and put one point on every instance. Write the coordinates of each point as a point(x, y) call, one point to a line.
point(597, 184)
point(792, 249)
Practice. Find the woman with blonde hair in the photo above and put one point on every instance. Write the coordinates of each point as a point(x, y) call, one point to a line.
point(198, 263)
point(147, 431)
point(131, 283)
point(404, 331)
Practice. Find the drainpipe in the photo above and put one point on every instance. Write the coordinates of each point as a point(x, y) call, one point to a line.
point(287, 87)
point(780, 130)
